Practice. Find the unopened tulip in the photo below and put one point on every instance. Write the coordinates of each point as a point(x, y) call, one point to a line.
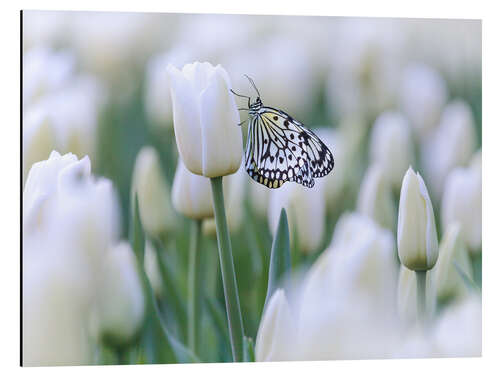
point(417, 237)
point(120, 302)
point(461, 203)
point(391, 146)
point(375, 198)
point(205, 119)
point(191, 194)
point(276, 329)
point(423, 94)
point(153, 193)
point(452, 254)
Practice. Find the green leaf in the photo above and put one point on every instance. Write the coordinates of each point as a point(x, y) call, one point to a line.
point(471, 285)
point(280, 264)
point(138, 238)
point(248, 350)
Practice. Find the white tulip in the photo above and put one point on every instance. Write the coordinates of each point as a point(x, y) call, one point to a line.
point(423, 94)
point(417, 237)
point(70, 222)
point(306, 212)
point(451, 145)
point(452, 254)
point(120, 300)
point(458, 332)
point(45, 71)
point(375, 198)
point(191, 194)
point(153, 193)
point(259, 196)
point(462, 198)
point(42, 185)
point(205, 119)
point(276, 330)
point(391, 146)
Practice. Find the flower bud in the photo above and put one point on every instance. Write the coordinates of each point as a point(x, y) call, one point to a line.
point(391, 146)
point(153, 193)
point(461, 203)
point(205, 119)
point(423, 94)
point(375, 199)
point(191, 194)
point(452, 254)
point(120, 301)
point(306, 213)
point(417, 237)
point(450, 145)
point(275, 330)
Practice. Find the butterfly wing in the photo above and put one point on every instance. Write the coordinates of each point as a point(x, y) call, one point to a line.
point(281, 149)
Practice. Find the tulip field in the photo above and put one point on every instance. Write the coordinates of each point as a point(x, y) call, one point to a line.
point(231, 188)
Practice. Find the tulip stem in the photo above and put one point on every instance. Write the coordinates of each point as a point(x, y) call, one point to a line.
point(421, 304)
point(234, 319)
point(195, 286)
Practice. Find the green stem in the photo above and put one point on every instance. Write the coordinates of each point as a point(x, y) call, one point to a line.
point(234, 319)
point(421, 303)
point(195, 285)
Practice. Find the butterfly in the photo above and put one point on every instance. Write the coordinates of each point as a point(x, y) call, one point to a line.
point(281, 149)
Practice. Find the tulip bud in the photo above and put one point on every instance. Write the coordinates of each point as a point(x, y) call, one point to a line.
point(153, 193)
point(120, 301)
point(391, 146)
point(275, 330)
point(451, 145)
point(375, 199)
point(461, 203)
point(306, 213)
point(422, 97)
point(191, 194)
point(205, 119)
point(452, 254)
point(417, 237)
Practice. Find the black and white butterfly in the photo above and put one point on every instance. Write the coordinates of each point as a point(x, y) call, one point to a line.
point(281, 149)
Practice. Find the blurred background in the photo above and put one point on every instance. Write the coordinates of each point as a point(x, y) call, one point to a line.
point(383, 94)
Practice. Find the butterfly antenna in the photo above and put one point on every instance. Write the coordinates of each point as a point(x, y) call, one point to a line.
point(241, 96)
point(253, 84)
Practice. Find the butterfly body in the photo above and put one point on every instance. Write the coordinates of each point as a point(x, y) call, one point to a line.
point(281, 149)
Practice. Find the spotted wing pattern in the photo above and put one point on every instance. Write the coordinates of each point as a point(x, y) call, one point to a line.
point(281, 149)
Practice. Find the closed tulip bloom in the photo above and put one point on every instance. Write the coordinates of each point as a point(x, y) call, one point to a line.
point(462, 198)
point(276, 330)
point(451, 145)
point(191, 194)
point(416, 236)
point(452, 254)
point(375, 199)
point(423, 94)
point(205, 119)
point(306, 211)
point(120, 301)
point(153, 193)
point(391, 146)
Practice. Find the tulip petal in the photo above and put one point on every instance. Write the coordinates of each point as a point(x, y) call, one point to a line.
point(186, 110)
point(222, 141)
